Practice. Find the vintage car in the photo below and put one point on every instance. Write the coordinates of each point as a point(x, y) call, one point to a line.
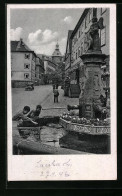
point(29, 87)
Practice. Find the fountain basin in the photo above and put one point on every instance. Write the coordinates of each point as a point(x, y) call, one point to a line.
point(58, 136)
point(82, 128)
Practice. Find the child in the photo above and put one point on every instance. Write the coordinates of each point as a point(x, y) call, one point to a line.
point(34, 114)
point(31, 118)
point(56, 94)
point(21, 114)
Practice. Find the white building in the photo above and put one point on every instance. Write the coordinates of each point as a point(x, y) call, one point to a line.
point(22, 64)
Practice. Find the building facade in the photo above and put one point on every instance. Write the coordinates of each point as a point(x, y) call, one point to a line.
point(50, 69)
point(79, 39)
point(39, 71)
point(68, 53)
point(58, 59)
point(23, 62)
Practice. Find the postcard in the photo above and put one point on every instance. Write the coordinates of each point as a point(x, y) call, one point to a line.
point(61, 92)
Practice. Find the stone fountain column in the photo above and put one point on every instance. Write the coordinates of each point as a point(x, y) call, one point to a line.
point(91, 80)
point(91, 83)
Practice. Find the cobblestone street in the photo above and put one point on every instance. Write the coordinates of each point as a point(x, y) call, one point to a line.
point(41, 95)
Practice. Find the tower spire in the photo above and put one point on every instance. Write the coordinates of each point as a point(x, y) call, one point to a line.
point(57, 51)
point(57, 45)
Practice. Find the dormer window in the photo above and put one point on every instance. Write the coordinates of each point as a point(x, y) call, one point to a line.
point(27, 56)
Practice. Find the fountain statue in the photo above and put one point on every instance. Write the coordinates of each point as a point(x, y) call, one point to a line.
point(94, 40)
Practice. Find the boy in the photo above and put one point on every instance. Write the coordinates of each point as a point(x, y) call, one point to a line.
point(34, 114)
point(22, 114)
point(31, 118)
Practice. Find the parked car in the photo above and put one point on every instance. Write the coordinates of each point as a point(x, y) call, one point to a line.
point(29, 87)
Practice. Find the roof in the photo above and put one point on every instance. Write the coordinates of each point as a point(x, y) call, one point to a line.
point(56, 53)
point(19, 46)
point(80, 21)
point(44, 57)
point(51, 63)
point(41, 56)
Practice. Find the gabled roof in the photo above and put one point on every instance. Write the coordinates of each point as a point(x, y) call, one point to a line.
point(19, 46)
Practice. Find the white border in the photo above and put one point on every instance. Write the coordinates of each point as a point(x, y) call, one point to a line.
point(84, 167)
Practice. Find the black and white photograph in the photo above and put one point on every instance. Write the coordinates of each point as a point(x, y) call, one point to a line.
point(60, 62)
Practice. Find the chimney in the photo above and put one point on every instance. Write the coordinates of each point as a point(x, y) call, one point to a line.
point(19, 43)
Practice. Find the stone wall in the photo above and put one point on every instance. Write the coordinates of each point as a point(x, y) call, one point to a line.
point(19, 84)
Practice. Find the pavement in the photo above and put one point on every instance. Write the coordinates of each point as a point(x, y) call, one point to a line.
point(41, 95)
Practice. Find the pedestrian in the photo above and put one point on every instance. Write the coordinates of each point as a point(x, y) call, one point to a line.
point(53, 87)
point(22, 114)
point(56, 94)
point(56, 86)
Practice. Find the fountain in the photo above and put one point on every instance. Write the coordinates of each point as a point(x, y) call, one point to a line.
point(92, 107)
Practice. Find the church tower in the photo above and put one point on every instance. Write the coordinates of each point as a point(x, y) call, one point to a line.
point(57, 56)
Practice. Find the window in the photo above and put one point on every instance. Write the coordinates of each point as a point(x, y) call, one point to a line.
point(79, 51)
point(81, 48)
point(77, 35)
point(26, 75)
point(75, 39)
point(90, 14)
point(103, 36)
point(87, 20)
point(103, 10)
point(26, 66)
point(73, 43)
point(81, 29)
point(27, 56)
point(74, 56)
point(83, 25)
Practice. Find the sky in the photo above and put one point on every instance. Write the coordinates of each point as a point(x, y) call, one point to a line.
point(41, 28)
